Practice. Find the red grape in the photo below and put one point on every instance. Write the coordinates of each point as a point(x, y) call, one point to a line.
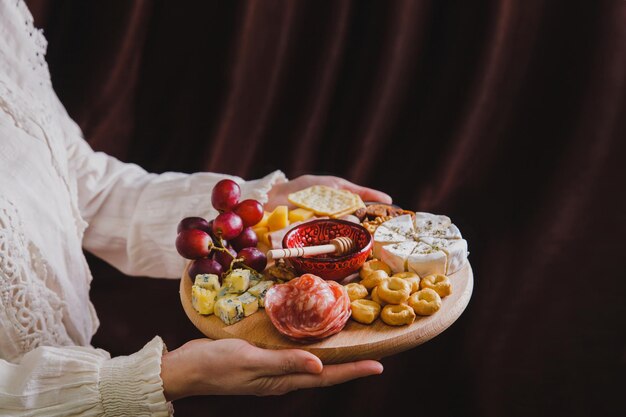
point(225, 195)
point(225, 257)
point(227, 225)
point(193, 223)
point(253, 258)
point(204, 266)
point(193, 243)
point(250, 211)
point(247, 238)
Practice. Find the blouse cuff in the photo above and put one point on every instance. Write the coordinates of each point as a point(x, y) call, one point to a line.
point(132, 385)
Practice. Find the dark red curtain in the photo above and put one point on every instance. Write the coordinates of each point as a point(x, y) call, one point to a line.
point(508, 116)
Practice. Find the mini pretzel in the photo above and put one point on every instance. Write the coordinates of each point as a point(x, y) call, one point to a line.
point(425, 302)
point(397, 314)
point(394, 290)
point(437, 282)
point(376, 297)
point(373, 265)
point(412, 278)
point(374, 279)
point(365, 311)
point(356, 291)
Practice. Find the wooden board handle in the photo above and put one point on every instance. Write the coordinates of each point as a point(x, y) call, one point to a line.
point(340, 246)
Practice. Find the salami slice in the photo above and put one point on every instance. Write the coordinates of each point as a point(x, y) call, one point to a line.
point(308, 308)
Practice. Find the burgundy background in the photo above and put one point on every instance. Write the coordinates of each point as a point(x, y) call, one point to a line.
point(508, 116)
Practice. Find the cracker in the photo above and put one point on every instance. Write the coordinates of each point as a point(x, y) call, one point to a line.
point(326, 201)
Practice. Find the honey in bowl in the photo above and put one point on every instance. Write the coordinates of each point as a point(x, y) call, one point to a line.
point(329, 266)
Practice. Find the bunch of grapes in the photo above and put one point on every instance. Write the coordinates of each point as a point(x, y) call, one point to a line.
point(217, 246)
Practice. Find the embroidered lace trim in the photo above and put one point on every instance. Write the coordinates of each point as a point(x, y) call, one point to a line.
point(30, 311)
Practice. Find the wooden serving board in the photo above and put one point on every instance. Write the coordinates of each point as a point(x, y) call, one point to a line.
point(356, 341)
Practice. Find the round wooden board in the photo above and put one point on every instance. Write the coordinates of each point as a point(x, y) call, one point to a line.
point(356, 341)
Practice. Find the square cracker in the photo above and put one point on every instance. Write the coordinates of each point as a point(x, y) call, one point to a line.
point(326, 201)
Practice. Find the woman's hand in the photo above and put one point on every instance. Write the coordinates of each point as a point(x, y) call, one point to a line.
point(233, 366)
point(278, 194)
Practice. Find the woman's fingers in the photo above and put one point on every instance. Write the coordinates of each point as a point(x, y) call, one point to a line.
point(331, 375)
point(366, 194)
point(287, 361)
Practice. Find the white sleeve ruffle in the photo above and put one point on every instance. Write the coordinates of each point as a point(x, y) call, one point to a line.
point(132, 214)
point(54, 381)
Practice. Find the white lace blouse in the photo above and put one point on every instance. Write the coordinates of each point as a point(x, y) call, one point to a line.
point(58, 196)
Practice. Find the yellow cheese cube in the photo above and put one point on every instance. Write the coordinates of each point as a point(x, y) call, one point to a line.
point(279, 218)
point(260, 231)
point(300, 214)
point(203, 300)
point(263, 221)
point(265, 239)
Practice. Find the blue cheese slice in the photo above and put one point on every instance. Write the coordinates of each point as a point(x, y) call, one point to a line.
point(249, 302)
point(426, 260)
point(203, 300)
point(229, 310)
point(260, 290)
point(237, 281)
point(208, 281)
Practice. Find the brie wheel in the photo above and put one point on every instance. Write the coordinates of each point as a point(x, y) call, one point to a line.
point(428, 244)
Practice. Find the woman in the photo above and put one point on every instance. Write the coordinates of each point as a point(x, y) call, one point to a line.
point(57, 197)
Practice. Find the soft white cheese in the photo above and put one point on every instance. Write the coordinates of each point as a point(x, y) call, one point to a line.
point(428, 244)
point(395, 255)
point(426, 260)
point(435, 225)
point(385, 236)
point(455, 250)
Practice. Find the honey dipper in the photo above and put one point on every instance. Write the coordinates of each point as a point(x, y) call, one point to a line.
point(337, 246)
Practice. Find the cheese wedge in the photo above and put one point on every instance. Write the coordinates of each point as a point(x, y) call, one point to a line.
point(435, 225)
point(402, 225)
point(455, 250)
point(384, 236)
point(426, 260)
point(396, 254)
